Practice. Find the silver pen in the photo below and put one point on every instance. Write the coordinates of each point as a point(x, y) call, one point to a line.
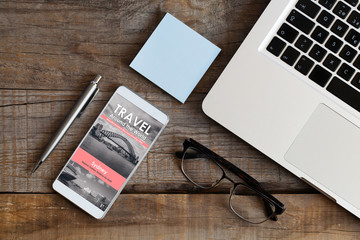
point(85, 99)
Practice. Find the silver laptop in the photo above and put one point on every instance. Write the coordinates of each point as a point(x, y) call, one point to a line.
point(292, 90)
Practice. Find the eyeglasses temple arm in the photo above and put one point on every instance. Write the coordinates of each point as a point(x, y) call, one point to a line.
point(179, 154)
point(244, 176)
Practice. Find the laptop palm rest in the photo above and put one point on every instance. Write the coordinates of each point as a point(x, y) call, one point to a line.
point(328, 150)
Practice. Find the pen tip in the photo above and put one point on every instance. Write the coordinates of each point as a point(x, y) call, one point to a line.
point(33, 170)
point(36, 167)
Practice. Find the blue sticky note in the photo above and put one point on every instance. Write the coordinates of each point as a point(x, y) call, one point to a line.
point(175, 57)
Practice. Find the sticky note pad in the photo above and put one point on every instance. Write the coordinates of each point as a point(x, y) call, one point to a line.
point(175, 57)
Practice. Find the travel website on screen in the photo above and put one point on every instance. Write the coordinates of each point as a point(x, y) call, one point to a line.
point(111, 150)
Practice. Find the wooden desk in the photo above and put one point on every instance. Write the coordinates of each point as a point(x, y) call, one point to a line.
point(49, 51)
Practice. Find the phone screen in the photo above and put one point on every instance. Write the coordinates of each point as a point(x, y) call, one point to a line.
point(116, 143)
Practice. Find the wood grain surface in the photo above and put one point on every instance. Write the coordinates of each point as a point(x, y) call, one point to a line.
point(50, 50)
point(171, 216)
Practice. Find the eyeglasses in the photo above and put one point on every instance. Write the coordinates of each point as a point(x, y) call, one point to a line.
point(248, 200)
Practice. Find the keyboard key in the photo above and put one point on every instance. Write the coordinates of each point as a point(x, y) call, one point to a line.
point(348, 53)
point(308, 7)
point(327, 3)
point(304, 65)
point(276, 46)
point(332, 62)
point(300, 21)
point(303, 43)
point(287, 32)
point(339, 28)
point(341, 9)
point(317, 53)
point(319, 34)
point(357, 62)
point(325, 18)
point(320, 75)
point(290, 55)
point(356, 81)
point(333, 44)
point(354, 19)
point(345, 71)
point(345, 93)
point(352, 2)
point(353, 37)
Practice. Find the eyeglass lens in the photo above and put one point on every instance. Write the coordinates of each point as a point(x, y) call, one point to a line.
point(249, 205)
point(200, 170)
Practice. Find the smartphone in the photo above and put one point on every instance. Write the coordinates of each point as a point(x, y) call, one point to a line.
point(110, 152)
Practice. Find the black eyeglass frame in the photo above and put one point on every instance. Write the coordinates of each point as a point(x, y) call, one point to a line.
point(250, 181)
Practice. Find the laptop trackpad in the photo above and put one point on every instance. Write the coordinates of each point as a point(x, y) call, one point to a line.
point(328, 150)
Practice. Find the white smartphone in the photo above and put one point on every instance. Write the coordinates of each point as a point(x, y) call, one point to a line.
point(110, 152)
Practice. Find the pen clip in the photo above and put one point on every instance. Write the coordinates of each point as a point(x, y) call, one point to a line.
point(87, 103)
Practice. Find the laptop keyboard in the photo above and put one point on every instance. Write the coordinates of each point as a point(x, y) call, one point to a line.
point(320, 39)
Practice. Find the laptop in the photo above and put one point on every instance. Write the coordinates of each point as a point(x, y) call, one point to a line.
point(292, 90)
